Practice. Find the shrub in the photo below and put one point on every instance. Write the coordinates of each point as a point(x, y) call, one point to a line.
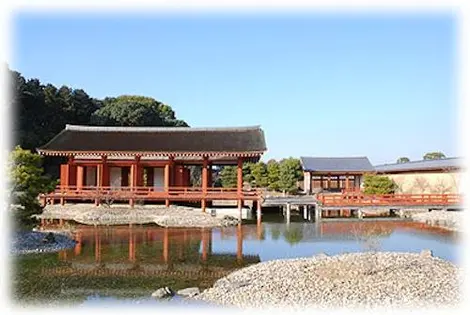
point(378, 185)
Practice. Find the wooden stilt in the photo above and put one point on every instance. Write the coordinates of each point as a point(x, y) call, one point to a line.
point(165, 245)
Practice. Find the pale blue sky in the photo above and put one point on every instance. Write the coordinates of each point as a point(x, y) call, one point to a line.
point(381, 86)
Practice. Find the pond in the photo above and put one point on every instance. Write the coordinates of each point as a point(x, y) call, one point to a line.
point(122, 265)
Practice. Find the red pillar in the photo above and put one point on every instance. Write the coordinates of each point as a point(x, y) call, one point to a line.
point(167, 180)
point(105, 177)
point(80, 171)
point(204, 182)
point(240, 182)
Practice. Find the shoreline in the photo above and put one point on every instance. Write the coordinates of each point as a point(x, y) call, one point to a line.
point(352, 280)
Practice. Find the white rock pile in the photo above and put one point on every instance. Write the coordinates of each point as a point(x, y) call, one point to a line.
point(357, 280)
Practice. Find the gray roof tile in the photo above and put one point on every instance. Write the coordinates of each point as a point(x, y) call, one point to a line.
point(420, 165)
point(336, 164)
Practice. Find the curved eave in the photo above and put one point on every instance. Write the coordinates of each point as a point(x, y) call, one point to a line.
point(143, 153)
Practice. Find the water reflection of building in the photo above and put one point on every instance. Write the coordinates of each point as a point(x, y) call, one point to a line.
point(152, 251)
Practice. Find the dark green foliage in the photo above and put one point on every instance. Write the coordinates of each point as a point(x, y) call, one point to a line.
point(434, 156)
point(403, 159)
point(42, 110)
point(273, 175)
point(27, 181)
point(129, 110)
point(228, 176)
point(259, 172)
point(378, 185)
point(290, 172)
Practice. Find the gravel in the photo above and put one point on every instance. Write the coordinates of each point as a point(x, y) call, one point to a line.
point(356, 280)
point(173, 216)
point(32, 242)
point(452, 220)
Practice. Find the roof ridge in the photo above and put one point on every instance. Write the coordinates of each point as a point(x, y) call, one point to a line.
point(333, 157)
point(155, 128)
point(419, 161)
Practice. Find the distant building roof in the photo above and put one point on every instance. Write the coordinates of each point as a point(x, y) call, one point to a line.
point(336, 164)
point(166, 140)
point(449, 163)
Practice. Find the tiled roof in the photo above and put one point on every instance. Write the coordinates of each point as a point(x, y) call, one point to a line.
point(157, 139)
point(336, 164)
point(420, 165)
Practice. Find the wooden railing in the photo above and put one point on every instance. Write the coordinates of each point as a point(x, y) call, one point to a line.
point(149, 193)
point(361, 199)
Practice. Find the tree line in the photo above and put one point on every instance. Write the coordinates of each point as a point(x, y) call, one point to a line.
point(437, 155)
point(42, 110)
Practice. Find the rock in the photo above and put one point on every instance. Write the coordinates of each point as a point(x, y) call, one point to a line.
point(190, 292)
point(321, 256)
point(426, 253)
point(49, 238)
point(163, 293)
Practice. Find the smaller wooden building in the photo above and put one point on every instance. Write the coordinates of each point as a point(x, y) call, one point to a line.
point(334, 174)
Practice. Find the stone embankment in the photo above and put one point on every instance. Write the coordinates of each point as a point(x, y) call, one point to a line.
point(357, 280)
point(451, 220)
point(173, 216)
point(39, 242)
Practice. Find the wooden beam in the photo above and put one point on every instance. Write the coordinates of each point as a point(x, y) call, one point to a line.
point(79, 177)
point(239, 175)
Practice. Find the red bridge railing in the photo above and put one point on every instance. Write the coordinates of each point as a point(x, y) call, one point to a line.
point(148, 193)
point(361, 199)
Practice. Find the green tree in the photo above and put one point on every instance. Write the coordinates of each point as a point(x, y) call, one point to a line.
point(259, 172)
point(247, 175)
point(403, 159)
point(434, 156)
point(290, 172)
point(378, 185)
point(131, 110)
point(228, 176)
point(26, 182)
point(273, 175)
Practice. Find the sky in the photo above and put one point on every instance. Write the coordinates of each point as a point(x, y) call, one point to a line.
point(375, 85)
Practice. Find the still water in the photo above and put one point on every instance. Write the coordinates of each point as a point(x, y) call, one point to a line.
point(122, 265)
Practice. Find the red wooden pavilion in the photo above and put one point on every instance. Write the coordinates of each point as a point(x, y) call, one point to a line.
point(150, 163)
